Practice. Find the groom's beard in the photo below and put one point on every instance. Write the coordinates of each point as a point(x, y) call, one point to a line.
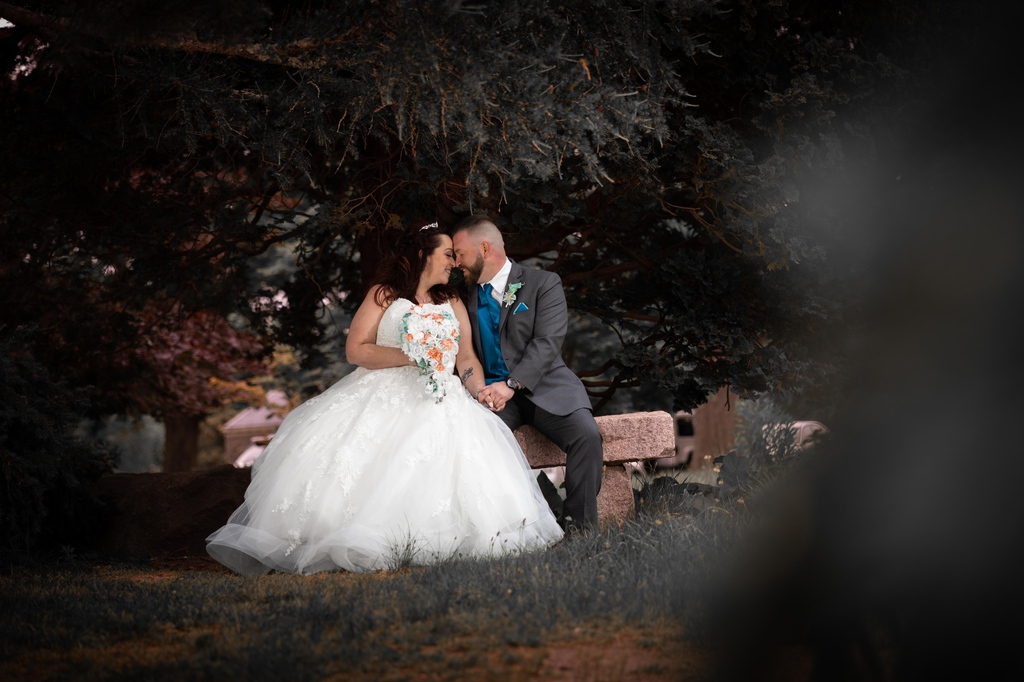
point(473, 271)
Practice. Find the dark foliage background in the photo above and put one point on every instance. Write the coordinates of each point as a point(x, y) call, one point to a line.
point(682, 165)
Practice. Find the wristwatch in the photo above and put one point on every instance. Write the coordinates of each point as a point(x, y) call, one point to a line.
point(513, 384)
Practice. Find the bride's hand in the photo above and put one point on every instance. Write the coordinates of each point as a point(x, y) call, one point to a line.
point(492, 398)
point(483, 397)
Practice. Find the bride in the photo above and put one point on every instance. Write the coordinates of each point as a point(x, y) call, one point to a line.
point(396, 463)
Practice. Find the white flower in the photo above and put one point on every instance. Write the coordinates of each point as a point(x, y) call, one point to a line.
point(510, 294)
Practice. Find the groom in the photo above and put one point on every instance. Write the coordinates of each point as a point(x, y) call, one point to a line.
point(519, 318)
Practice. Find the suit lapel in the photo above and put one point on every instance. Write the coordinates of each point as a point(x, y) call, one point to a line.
point(516, 275)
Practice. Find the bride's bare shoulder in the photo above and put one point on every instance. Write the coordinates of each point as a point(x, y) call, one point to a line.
point(456, 302)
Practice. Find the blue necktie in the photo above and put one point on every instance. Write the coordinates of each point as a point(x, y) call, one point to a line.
point(489, 315)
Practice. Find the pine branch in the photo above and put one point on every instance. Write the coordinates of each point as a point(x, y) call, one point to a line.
point(301, 54)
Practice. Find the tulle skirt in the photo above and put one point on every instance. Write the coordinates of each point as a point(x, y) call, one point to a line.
point(375, 473)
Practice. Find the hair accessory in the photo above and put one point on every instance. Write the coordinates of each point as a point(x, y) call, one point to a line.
point(428, 226)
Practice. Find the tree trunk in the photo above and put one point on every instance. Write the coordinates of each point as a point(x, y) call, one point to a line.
point(181, 442)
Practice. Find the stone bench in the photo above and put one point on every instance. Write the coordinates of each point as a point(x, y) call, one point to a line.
point(628, 438)
point(170, 514)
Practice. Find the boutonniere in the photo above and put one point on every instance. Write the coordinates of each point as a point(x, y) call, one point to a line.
point(510, 294)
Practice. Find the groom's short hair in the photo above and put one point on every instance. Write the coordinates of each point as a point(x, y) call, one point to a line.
point(481, 226)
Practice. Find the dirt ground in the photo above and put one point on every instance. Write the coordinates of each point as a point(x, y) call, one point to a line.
point(590, 654)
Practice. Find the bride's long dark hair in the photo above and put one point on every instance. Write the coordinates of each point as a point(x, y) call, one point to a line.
point(399, 273)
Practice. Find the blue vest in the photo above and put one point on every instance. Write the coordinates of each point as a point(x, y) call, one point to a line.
point(489, 316)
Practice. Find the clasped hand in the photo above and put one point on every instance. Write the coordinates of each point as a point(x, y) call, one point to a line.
point(494, 396)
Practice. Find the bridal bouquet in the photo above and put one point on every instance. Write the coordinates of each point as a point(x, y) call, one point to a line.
point(430, 336)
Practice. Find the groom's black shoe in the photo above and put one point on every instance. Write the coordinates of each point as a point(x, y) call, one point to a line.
point(571, 526)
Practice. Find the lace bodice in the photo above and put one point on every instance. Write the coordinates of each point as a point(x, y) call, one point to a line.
point(389, 329)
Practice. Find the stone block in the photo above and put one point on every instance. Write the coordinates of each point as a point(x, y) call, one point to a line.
point(615, 501)
point(627, 438)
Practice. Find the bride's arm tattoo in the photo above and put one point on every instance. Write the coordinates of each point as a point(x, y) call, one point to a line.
point(465, 375)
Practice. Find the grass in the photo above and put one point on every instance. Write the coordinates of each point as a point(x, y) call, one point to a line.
point(86, 618)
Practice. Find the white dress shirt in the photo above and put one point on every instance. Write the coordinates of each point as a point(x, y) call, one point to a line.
point(499, 281)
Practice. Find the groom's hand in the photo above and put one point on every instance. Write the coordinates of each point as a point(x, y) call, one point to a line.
point(494, 396)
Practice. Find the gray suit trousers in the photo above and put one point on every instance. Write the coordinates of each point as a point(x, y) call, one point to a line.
point(578, 436)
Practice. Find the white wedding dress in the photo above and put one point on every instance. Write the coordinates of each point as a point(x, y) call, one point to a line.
point(375, 473)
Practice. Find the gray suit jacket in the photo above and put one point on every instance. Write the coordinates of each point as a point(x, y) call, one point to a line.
point(531, 340)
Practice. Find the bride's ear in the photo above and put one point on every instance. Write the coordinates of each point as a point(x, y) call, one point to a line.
point(419, 254)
